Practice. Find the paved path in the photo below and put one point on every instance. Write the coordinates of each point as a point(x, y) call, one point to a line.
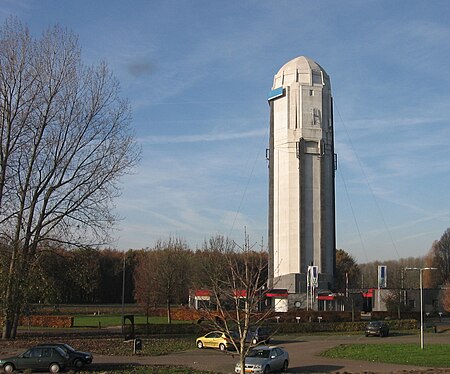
point(304, 356)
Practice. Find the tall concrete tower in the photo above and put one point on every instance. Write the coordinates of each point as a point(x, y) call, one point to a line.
point(301, 176)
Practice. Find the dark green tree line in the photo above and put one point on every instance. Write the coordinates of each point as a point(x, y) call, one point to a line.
point(347, 271)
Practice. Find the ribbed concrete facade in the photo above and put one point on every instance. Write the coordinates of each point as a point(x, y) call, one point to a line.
point(301, 176)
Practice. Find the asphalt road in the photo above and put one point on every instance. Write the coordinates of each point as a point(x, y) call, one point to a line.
point(304, 356)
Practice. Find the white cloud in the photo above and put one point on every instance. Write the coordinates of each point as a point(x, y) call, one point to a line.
point(211, 137)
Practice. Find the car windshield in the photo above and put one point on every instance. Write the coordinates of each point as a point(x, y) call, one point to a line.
point(61, 352)
point(375, 324)
point(68, 347)
point(264, 353)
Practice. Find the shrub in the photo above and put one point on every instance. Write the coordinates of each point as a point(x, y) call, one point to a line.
point(47, 321)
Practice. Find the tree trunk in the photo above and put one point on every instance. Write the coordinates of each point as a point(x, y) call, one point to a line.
point(6, 332)
point(169, 316)
point(146, 315)
point(15, 324)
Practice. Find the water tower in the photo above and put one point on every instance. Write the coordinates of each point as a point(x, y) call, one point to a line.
point(302, 166)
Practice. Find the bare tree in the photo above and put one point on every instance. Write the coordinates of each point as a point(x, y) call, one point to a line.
point(146, 286)
point(439, 258)
point(396, 275)
point(164, 274)
point(446, 297)
point(64, 142)
point(237, 284)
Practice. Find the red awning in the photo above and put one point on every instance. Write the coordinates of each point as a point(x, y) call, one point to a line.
point(202, 293)
point(277, 293)
point(240, 293)
point(325, 297)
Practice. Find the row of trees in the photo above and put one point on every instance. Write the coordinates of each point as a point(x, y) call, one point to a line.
point(161, 275)
point(236, 277)
point(164, 274)
point(350, 274)
point(82, 275)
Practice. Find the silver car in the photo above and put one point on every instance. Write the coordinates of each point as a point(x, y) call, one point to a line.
point(265, 359)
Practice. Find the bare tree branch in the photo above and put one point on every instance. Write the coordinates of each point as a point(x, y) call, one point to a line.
point(238, 285)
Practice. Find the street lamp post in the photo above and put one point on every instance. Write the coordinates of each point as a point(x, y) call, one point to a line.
point(421, 300)
point(123, 292)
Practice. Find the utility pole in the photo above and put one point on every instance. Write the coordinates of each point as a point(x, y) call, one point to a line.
point(123, 291)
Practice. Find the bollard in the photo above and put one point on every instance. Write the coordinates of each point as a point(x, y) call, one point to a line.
point(137, 345)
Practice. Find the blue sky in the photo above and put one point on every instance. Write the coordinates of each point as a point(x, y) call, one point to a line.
point(197, 74)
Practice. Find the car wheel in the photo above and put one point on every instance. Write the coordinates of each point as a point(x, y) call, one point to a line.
point(54, 368)
point(200, 344)
point(285, 365)
point(267, 369)
point(78, 363)
point(8, 368)
point(222, 347)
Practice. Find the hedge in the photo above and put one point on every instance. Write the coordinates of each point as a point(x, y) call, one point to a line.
point(278, 328)
point(47, 321)
point(305, 327)
point(170, 329)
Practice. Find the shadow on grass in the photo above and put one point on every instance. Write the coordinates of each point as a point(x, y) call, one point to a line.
point(136, 368)
point(93, 368)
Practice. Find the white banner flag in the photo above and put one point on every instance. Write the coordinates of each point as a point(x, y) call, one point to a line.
point(313, 276)
point(382, 276)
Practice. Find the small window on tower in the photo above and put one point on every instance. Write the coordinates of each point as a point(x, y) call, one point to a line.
point(311, 92)
point(316, 117)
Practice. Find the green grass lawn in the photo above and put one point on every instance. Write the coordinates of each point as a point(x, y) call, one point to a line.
point(107, 320)
point(433, 355)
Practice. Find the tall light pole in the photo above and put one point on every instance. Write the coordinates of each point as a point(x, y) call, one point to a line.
point(123, 291)
point(421, 300)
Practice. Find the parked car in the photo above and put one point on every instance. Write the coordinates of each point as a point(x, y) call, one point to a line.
point(258, 334)
point(77, 359)
point(46, 358)
point(215, 339)
point(265, 359)
point(377, 328)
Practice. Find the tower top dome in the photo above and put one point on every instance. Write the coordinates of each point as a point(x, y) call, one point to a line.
point(302, 70)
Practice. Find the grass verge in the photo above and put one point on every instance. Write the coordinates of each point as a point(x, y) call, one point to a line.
point(433, 355)
point(106, 320)
point(110, 346)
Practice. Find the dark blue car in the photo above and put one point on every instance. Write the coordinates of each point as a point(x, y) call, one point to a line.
point(44, 358)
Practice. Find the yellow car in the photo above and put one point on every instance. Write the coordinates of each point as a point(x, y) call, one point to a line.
point(214, 339)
